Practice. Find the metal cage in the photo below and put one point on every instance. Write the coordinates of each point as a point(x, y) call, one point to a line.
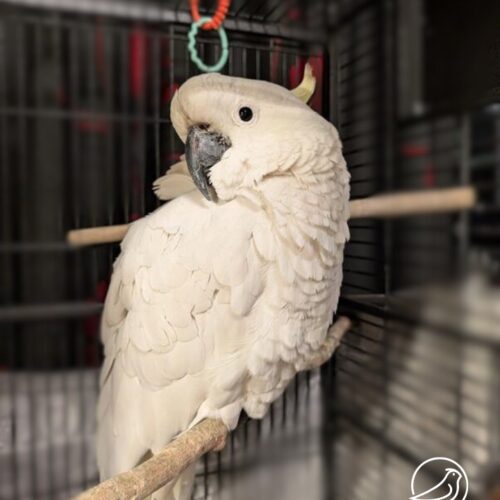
point(84, 131)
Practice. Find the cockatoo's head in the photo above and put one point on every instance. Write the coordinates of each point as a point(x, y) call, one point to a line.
point(239, 132)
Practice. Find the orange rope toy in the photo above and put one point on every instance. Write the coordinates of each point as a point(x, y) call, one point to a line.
point(218, 17)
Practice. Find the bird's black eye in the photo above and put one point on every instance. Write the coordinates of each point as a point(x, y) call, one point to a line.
point(246, 114)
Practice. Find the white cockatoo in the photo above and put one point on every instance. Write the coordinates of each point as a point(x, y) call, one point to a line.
point(222, 295)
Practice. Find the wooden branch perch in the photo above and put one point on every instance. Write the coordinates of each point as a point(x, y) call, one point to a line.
point(208, 435)
point(154, 473)
point(383, 206)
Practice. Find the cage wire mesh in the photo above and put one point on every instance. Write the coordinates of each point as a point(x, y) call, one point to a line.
point(84, 131)
point(417, 376)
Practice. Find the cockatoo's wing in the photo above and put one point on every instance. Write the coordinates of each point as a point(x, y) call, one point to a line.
point(175, 182)
point(177, 297)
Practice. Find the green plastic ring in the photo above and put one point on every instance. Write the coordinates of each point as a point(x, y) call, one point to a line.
point(194, 54)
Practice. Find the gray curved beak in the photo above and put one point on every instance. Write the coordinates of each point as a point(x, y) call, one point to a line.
point(203, 150)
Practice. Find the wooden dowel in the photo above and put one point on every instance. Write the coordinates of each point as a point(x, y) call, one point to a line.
point(382, 206)
point(414, 203)
point(96, 235)
point(154, 473)
point(208, 435)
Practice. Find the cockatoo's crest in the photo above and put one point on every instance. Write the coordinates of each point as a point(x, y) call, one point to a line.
point(307, 86)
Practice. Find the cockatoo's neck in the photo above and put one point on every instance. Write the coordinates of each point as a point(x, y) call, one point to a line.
point(291, 199)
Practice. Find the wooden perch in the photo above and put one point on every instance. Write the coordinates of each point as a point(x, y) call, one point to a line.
point(154, 473)
point(208, 435)
point(414, 203)
point(96, 235)
point(382, 206)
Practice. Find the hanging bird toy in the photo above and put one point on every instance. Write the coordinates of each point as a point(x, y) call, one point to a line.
point(209, 23)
